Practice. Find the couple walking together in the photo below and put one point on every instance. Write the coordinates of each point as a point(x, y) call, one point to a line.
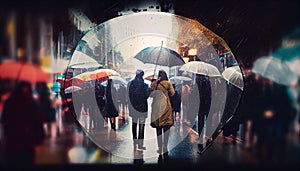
point(161, 115)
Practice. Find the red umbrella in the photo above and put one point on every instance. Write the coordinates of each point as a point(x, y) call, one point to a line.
point(22, 71)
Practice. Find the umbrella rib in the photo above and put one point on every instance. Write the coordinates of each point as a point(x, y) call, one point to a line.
point(19, 73)
point(158, 57)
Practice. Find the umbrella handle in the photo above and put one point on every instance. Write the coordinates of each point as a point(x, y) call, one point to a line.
point(158, 57)
point(19, 74)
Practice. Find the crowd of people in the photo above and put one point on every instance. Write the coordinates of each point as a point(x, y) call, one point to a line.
point(244, 114)
point(263, 114)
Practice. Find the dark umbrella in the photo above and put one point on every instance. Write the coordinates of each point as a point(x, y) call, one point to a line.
point(159, 55)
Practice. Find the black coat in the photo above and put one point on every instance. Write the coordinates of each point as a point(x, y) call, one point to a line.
point(138, 92)
point(111, 109)
point(231, 110)
point(99, 94)
point(176, 101)
point(204, 86)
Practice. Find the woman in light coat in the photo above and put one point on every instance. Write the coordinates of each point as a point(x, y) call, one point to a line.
point(161, 114)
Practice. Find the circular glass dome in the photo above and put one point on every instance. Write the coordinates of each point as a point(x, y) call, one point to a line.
point(152, 41)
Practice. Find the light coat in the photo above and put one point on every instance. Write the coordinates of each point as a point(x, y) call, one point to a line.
point(161, 105)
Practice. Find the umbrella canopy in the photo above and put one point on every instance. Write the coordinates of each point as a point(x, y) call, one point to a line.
point(22, 71)
point(72, 89)
point(149, 77)
point(234, 76)
point(59, 66)
point(199, 67)
point(81, 60)
point(179, 79)
point(274, 69)
point(96, 74)
point(294, 65)
point(160, 56)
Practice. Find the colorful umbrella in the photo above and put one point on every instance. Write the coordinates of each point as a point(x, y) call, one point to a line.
point(96, 74)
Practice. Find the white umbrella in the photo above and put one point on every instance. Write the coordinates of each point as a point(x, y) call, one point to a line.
point(234, 76)
point(275, 69)
point(179, 79)
point(199, 67)
point(295, 65)
point(72, 89)
point(81, 60)
point(59, 65)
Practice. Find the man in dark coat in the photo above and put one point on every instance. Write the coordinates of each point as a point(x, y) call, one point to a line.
point(138, 92)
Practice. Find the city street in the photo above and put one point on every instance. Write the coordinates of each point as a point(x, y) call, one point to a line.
point(72, 147)
point(236, 59)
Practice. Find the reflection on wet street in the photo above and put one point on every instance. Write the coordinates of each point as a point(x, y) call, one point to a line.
point(73, 146)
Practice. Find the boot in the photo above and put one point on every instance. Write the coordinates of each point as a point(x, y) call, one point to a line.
point(160, 151)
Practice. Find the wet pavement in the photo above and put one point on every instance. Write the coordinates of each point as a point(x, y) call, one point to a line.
point(74, 148)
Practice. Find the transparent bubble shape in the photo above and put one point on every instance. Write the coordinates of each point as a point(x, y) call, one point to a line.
point(114, 43)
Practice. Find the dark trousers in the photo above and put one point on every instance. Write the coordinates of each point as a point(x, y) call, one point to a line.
point(140, 120)
point(201, 121)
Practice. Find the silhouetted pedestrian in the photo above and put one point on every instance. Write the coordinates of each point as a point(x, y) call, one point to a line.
point(22, 121)
point(47, 107)
point(138, 92)
point(204, 88)
point(176, 103)
point(111, 109)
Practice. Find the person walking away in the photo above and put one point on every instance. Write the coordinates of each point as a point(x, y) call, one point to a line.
point(184, 100)
point(122, 95)
point(21, 118)
point(48, 109)
point(161, 114)
point(176, 103)
point(138, 92)
point(204, 87)
point(111, 110)
point(100, 100)
point(57, 104)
